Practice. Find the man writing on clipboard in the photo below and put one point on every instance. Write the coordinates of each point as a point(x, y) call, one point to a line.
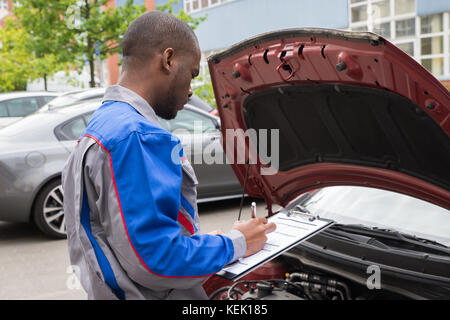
point(129, 199)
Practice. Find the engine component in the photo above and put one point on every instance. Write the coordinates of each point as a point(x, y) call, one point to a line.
point(297, 286)
point(320, 283)
point(269, 292)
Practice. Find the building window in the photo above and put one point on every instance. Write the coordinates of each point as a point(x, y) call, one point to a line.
point(431, 23)
point(434, 45)
point(383, 29)
point(197, 5)
point(361, 28)
point(3, 5)
point(434, 65)
point(407, 47)
point(404, 28)
point(359, 13)
point(381, 9)
point(404, 6)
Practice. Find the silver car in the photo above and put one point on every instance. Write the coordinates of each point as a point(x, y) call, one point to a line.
point(73, 97)
point(16, 105)
point(33, 152)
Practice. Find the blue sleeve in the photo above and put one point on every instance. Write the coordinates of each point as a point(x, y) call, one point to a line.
point(147, 183)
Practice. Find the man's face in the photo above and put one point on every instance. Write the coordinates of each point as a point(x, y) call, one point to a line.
point(179, 88)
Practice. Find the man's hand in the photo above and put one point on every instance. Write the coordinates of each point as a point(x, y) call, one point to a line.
point(255, 231)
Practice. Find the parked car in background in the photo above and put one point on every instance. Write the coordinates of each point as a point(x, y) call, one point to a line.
point(15, 105)
point(73, 97)
point(364, 141)
point(33, 152)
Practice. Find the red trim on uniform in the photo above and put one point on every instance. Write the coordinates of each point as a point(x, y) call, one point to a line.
point(185, 222)
point(123, 219)
point(184, 158)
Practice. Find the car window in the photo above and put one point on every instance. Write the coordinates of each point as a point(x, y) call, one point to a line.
point(21, 107)
point(47, 99)
point(73, 129)
point(63, 100)
point(383, 209)
point(190, 121)
point(3, 110)
point(88, 116)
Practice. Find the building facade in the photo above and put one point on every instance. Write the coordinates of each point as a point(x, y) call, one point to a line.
point(419, 27)
point(5, 10)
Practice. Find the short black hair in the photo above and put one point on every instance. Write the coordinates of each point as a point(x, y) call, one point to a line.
point(154, 32)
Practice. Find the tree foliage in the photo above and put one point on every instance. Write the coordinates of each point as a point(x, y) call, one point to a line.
point(72, 30)
point(205, 91)
point(46, 37)
point(18, 63)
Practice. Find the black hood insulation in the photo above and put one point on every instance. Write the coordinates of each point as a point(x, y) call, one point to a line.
point(351, 125)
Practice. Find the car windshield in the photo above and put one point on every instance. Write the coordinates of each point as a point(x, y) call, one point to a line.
point(382, 209)
point(62, 101)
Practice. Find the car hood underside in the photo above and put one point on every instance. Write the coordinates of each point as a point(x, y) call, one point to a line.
point(349, 109)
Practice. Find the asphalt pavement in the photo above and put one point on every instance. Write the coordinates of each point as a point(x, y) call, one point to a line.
point(32, 266)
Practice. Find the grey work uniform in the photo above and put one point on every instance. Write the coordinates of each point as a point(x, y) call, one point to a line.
point(131, 213)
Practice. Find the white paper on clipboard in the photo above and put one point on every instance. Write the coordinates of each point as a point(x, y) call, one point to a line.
point(291, 230)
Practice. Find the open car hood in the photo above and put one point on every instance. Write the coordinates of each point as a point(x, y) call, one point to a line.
point(351, 109)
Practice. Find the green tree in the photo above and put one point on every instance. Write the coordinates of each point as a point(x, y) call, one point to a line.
point(14, 63)
point(49, 36)
point(74, 30)
point(204, 90)
point(18, 63)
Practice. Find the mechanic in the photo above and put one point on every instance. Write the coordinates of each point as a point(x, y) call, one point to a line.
point(130, 196)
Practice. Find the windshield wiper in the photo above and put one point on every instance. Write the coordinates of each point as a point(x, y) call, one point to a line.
point(395, 238)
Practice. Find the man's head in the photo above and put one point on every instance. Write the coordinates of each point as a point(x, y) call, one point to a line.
point(161, 56)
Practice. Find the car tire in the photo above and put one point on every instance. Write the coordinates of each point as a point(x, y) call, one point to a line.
point(48, 211)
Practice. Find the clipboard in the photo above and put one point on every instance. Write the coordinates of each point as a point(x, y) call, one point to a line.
point(293, 227)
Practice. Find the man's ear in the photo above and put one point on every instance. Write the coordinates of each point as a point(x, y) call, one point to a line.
point(167, 59)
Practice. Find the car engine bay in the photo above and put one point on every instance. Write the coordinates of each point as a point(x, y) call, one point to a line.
point(288, 278)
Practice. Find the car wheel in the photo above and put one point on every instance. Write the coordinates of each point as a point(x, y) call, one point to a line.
point(48, 213)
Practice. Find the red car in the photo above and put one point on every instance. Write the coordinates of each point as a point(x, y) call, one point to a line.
point(366, 127)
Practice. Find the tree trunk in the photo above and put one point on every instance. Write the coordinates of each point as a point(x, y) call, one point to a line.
point(92, 72)
point(45, 82)
point(90, 45)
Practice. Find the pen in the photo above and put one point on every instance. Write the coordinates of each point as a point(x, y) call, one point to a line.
point(253, 210)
